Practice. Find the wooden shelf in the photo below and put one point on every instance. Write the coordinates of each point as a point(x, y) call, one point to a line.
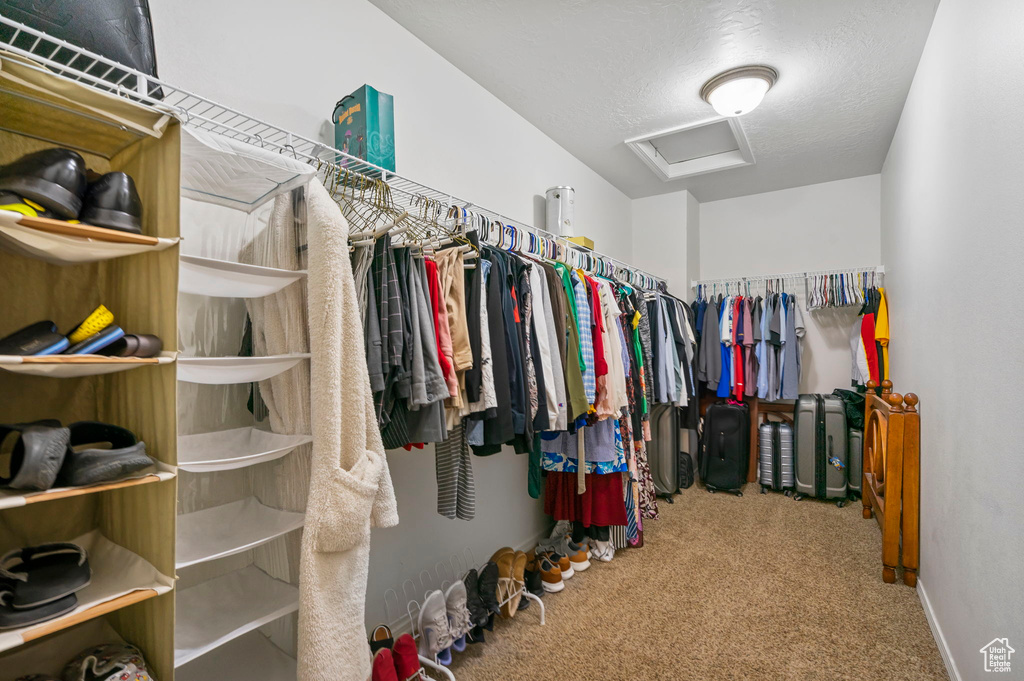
point(76, 366)
point(61, 623)
point(14, 499)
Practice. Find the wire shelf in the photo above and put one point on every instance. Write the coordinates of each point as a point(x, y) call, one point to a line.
point(77, 64)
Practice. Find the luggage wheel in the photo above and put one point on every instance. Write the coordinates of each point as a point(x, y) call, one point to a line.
point(710, 491)
point(669, 499)
point(764, 490)
point(739, 494)
point(788, 493)
point(841, 503)
point(797, 497)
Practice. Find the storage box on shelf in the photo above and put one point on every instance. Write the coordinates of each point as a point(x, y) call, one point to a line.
point(60, 271)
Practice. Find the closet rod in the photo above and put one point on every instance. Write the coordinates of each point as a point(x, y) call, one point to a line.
point(878, 269)
point(53, 55)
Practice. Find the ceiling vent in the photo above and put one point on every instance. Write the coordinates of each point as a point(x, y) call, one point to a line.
point(694, 149)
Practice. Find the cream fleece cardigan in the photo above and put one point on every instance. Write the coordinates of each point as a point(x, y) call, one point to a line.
point(350, 486)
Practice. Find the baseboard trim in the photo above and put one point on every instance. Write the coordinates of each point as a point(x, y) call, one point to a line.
point(403, 625)
point(940, 639)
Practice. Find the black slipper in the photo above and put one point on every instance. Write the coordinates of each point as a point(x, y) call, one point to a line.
point(11, 618)
point(38, 575)
point(37, 456)
point(96, 342)
point(89, 462)
point(134, 345)
point(41, 338)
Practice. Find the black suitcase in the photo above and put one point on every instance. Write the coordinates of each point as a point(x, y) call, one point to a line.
point(725, 448)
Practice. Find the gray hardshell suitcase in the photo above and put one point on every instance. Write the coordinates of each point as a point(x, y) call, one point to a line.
point(856, 455)
point(821, 442)
point(663, 450)
point(775, 457)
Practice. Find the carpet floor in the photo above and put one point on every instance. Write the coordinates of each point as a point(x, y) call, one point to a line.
point(752, 587)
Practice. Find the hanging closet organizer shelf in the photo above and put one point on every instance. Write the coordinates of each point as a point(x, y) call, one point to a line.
point(216, 612)
point(11, 498)
point(76, 366)
point(226, 279)
point(251, 656)
point(228, 370)
point(119, 578)
point(63, 243)
point(236, 448)
point(225, 530)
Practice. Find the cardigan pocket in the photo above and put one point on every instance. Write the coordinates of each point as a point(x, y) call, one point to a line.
point(341, 518)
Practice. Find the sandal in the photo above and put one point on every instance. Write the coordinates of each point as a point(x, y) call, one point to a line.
point(40, 575)
point(12, 618)
point(100, 452)
point(107, 662)
point(97, 341)
point(41, 338)
point(37, 455)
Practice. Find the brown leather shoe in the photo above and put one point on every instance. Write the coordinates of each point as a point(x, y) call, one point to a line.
point(518, 583)
point(504, 558)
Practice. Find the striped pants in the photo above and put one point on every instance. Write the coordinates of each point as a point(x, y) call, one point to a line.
point(456, 495)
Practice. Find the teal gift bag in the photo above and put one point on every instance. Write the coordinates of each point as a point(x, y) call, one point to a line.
point(364, 127)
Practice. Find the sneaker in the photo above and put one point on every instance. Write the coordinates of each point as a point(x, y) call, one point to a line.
point(488, 589)
point(603, 551)
point(435, 636)
point(534, 580)
point(384, 666)
point(458, 614)
point(561, 560)
point(381, 638)
point(576, 553)
point(550, 575)
point(407, 661)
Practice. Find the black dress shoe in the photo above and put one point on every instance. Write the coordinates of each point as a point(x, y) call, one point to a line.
point(53, 178)
point(113, 202)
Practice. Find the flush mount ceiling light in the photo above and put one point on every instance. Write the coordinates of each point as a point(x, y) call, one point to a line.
point(738, 91)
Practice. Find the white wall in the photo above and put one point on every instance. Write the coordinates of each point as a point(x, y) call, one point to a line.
point(820, 226)
point(953, 246)
point(289, 65)
point(665, 233)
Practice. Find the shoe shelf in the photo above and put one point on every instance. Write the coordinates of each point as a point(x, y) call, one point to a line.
point(251, 656)
point(235, 448)
point(224, 370)
point(50, 655)
point(64, 243)
point(228, 529)
point(119, 578)
point(129, 524)
point(10, 498)
point(227, 279)
point(218, 611)
point(77, 366)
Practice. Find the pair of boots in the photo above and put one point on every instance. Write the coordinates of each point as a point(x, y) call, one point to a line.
point(54, 183)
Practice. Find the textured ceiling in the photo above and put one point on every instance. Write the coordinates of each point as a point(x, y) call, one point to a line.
point(592, 73)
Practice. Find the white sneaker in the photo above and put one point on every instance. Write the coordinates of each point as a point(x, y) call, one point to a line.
point(603, 551)
point(435, 634)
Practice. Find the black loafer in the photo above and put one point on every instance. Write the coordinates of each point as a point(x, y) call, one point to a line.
point(113, 202)
point(53, 178)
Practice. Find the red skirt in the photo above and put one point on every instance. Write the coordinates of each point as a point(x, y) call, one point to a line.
point(602, 504)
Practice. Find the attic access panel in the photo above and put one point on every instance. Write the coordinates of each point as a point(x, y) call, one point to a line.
point(694, 149)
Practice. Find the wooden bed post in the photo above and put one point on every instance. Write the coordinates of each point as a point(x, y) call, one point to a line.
point(911, 488)
point(865, 499)
point(893, 488)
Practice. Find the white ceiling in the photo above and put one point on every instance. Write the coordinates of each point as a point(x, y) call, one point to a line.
point(592, 73)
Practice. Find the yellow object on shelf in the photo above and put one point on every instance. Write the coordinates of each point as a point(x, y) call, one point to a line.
point(582, 241)
point(100, 319)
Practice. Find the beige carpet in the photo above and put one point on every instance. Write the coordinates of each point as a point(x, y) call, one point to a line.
point(752, 587)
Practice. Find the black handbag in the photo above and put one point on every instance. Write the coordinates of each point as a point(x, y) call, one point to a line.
point(121, 30)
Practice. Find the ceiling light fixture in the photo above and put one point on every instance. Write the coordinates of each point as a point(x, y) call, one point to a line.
point(738, 91)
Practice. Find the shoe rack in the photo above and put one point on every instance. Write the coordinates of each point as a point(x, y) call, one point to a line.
point(60, 271)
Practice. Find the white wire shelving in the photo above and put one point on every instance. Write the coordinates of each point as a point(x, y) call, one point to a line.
point(83, 66)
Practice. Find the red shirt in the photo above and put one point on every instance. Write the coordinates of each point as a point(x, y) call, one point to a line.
point(597, 323)
point(434, 284)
